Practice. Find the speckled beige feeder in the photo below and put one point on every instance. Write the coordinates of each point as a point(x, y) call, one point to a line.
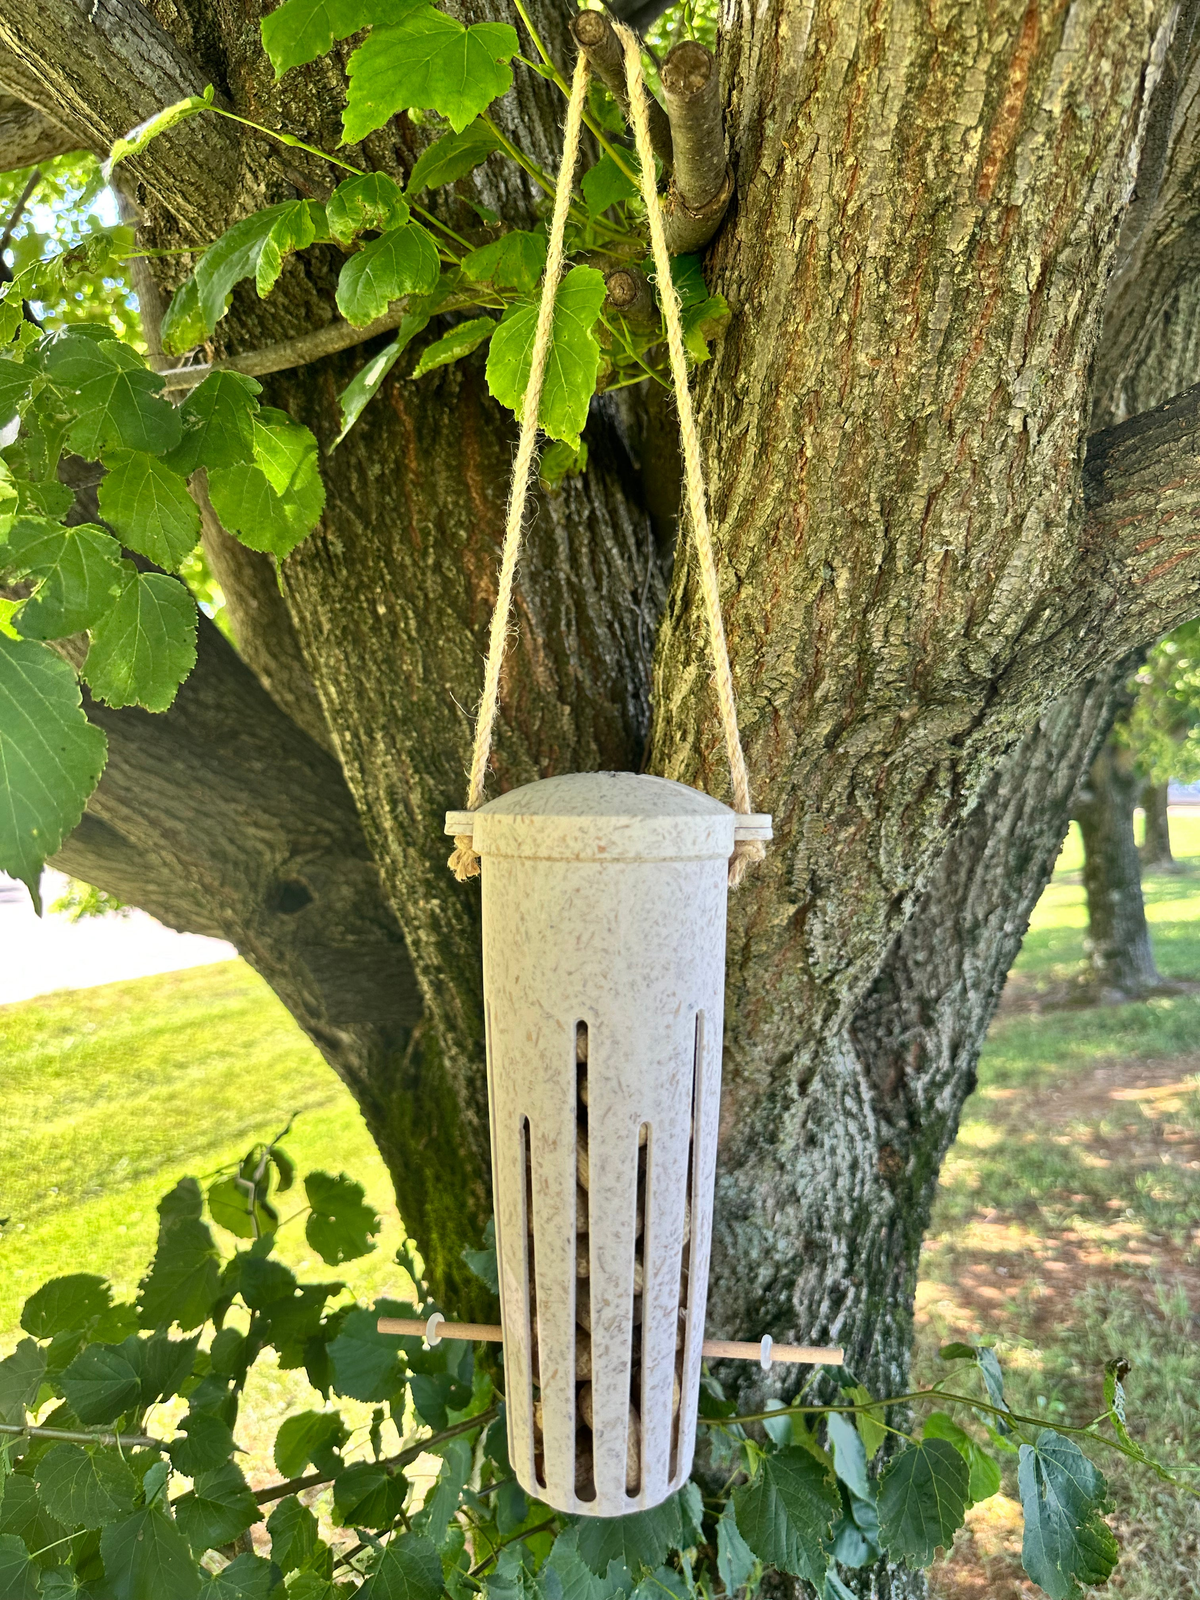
point(604, 899)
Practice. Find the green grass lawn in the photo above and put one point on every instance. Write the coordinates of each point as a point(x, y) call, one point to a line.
point(111, 1094)
point(1067, 1224)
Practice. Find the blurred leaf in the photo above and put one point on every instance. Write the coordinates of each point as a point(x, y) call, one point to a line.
point(18, 1574)
point(136, 140)
point(184, 1276)
point(305, 1436)
point(21, 1377)
point(606, 185)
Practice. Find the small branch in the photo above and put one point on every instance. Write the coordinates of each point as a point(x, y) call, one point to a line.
point(313, 1480)
point(35, 177)
point(702, 185)
point(288, 353)
point(630, 295)
point(134, 1441)
point(595, 37)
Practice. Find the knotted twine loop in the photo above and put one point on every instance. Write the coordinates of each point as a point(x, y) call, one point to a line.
point(746, 850)
point(464, 861)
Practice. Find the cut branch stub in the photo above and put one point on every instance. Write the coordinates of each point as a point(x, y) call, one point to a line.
point(595, 37)
point(703, 184)
point(630, 295)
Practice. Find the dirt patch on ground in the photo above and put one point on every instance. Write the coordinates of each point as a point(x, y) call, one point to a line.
point(1020, 1276)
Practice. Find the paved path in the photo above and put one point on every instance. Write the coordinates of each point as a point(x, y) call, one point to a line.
point(39, 955)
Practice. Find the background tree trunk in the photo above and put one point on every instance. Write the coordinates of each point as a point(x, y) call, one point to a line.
point(1118, 939)
point(1154, 852)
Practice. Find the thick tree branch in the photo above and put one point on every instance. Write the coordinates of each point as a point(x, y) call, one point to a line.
point(1142, 533)
point(101, 66)
point(28, 136)
point(702, 184)
point(595, 37)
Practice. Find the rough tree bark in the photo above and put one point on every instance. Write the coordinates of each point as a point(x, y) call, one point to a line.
point(1154, 851)
point(1118, 946)
point(929, 597)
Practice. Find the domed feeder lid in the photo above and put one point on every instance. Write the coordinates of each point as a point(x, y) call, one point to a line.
point(607, 816)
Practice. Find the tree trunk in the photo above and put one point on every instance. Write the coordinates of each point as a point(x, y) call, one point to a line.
point(1118, 940)
point(929, 596)
point(1155, 850)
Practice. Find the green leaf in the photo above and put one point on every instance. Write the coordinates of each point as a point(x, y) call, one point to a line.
point(16, 380)
point(514, 261)
point(258, 242)
point(643, 1539)
point(78, 1300)
point(606, 185)
point(115, 394)
point(301, 30)
point(219, 1508)
point(247, 1577)
point(735, 1559)
point(136, 140)
point(363, 387)
point(1115, 1373)
point(183, 1203)
point(295, 1538)
point(21, 1377)
point(101, 1384)
point(50, 757)
point(205, 1443)
point(146, 1558)
point(184, 325)
point(365, 1361)
point(573, 362)
point(148, 505)
point(442, 1500)
point(366, 1495)
point(300, 225)
point(993, 1378)
point(957, 1352)
point(371, 201)
point(984, 1469)
point(483, 1262)
point(922, 1500)
point(871, 1431)
point(145, 646)
point(561, 461)
point(218, 424)
point(85, 1488)
point(18, 1574)
point(1066, 1542)
point(80, 569)
point(410, 1570)
point(452, 346)
point(340, 1224)
point(402, 261)
point(250, 509)
point(452, 157)
point(184, 1277)
point(849, 1456)
point(429, 60)
point(786, 1515)
point(305, 1435)
point(702, 323)
point(577, 1579)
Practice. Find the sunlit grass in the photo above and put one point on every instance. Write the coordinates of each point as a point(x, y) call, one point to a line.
point(111, 1094)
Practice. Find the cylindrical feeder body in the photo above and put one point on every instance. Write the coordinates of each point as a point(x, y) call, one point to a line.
point(604, 898)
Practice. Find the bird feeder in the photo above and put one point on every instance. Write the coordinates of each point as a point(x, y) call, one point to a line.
point(604, 898)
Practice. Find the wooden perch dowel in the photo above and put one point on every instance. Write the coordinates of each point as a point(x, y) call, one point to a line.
point(719, 1349)
point(595, 37)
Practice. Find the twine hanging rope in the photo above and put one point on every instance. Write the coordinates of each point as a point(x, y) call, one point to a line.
point(464, 861)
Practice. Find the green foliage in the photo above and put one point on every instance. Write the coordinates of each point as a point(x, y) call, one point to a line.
point(451, 157)
point(430, 60)
point(923, 1495)
point(786, 1514)
point(573, 362)
point(1163, 728)
point(453, 346)
point(50, 757)
point(1062, 1495)
point(400, 262)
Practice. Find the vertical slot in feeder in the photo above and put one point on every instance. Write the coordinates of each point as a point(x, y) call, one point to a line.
point(683, 1321)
